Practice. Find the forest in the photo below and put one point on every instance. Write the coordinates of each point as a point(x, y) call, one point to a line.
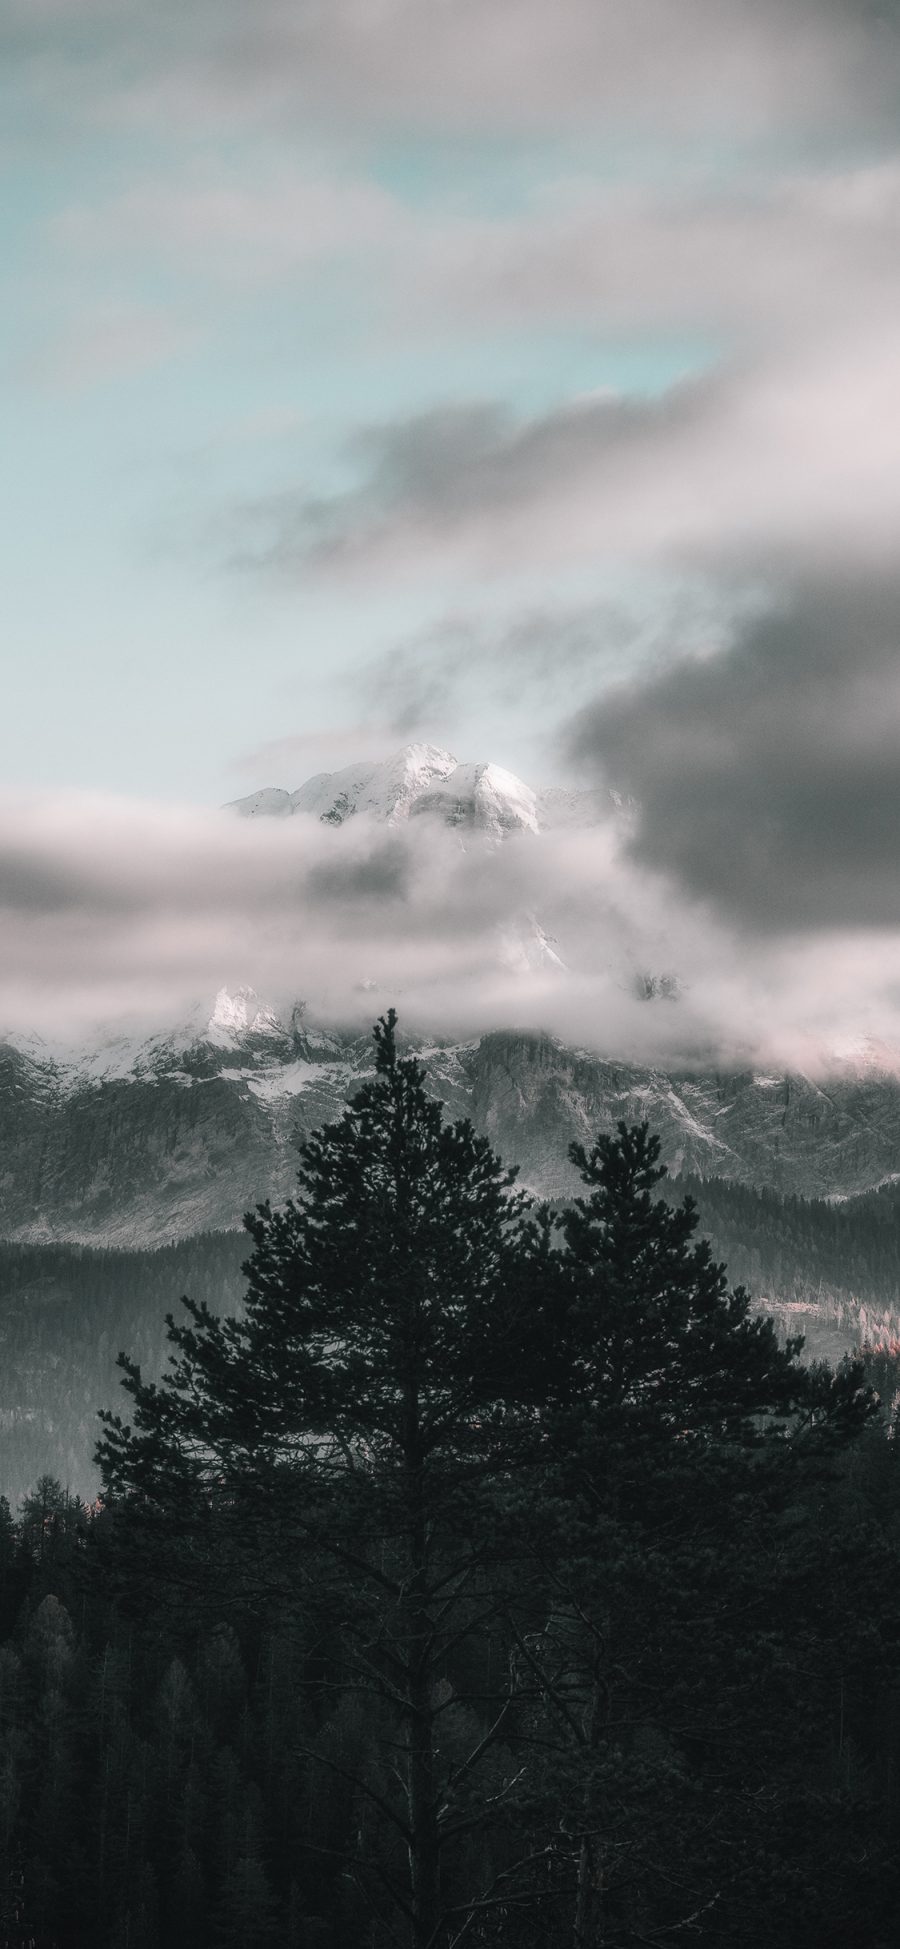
point(488, 1575)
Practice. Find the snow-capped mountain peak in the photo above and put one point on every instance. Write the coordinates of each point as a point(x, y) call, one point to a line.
point(425, 778)
point(238, 1015)
point(481, 798)
point(386, 790)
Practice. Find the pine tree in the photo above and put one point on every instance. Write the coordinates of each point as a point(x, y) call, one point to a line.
point(431, 1390)
point(679, 1436)
point(362, 1401)
point(651, 1340)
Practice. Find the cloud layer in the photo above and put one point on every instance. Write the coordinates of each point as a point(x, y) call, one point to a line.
point(120, 914)
point(512, 63)
point(745, 467)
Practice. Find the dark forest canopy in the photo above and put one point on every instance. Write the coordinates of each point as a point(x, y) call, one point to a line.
point(492, 1576)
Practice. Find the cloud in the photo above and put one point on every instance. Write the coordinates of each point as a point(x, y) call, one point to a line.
point(462, 65)
point(101, 341)
point(297, 754)
point(465, 662)
point(218, 224)
point(782, 445)
point(118, 914)
point(754, 254)
point(113, 909)
point(381, 876)
point(466, 480)
point(795, 456)
point(768, 778)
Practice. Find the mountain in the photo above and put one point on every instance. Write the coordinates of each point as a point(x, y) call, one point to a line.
point(480, 798)
point(385, 790)
point(424, 779)
point(136, 1142)
point(139, 1142)
point(144, 1143)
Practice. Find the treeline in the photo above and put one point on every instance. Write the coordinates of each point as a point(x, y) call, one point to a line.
point(798, 1248)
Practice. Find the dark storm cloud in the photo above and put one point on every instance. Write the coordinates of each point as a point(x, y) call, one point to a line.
point(767, 779)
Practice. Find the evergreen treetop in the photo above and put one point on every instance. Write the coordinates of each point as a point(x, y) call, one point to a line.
point(381, 1307)
point(648, 1336)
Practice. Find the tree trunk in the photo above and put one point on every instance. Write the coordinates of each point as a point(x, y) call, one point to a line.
point(425, 1847)
point(428, 1927)
point(588, 1929)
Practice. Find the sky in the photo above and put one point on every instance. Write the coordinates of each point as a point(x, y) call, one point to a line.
point(521, 378)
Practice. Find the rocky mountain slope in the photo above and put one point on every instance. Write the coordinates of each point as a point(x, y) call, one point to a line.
point(141, 1145)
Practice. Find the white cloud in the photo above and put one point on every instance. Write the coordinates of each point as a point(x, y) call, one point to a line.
point(297, 754)
point(469, 64)
point(793, 456)
point(758, 256)
point(216, 223)
point(114, 910)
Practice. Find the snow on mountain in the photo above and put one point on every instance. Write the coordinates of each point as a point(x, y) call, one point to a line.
point(480, 798)
point(270, 803)
point(239, 1025)
point(385, 791)
point(424, 778)
point(185, 1140)
point(238, 1016)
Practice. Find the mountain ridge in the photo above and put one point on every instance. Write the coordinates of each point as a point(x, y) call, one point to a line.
point(428, 780)
point(182, 1134)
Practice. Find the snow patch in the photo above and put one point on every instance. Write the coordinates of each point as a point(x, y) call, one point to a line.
point(289, 1079)
point(237, 1015)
